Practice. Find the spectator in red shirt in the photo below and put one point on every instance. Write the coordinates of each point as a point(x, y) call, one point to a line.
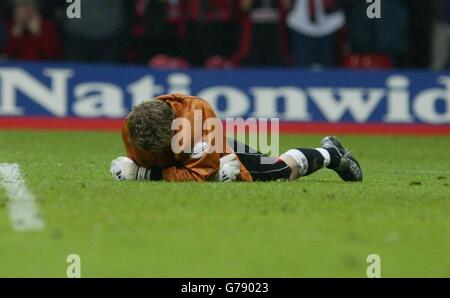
point(29, 36)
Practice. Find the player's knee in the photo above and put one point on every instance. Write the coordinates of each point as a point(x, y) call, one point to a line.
point(295, 174)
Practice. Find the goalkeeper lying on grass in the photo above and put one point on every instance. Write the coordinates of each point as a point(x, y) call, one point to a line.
point(159, 150)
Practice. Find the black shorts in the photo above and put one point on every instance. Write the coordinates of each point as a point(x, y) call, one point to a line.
point(260, 166)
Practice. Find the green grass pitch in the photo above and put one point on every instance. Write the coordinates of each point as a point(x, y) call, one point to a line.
point(315, 227)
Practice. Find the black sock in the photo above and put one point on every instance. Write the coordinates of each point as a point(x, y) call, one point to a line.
point(335, 158)
point(315, 160)
point(263, 168)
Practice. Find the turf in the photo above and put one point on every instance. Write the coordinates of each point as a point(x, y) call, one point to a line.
point(315, 227)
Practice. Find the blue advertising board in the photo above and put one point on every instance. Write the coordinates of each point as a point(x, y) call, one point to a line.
point(300, 96)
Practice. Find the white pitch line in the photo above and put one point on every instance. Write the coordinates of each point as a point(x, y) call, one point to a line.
point(23, 211)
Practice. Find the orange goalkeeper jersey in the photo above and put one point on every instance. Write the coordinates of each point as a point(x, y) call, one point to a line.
point(188, 165)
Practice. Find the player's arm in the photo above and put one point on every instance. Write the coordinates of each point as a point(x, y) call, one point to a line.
point(201, 157)
point(193, 164)
point(196, 166)
point(124, 168)
point(205, 170)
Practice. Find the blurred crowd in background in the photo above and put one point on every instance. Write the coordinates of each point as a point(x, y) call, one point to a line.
point(179, 34)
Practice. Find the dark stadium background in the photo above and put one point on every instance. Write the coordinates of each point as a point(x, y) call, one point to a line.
point(410, 34)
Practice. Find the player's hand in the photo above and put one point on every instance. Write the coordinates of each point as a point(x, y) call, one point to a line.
point(230, 168)
point(123, 168)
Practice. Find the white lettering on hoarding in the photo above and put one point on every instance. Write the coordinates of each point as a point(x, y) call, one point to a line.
point(335, 103)
point(295, 100)
point(425, 103)
point(237, 103)
point(98, 99)
point(104, 99)
point(53, 98)
point(398, 100)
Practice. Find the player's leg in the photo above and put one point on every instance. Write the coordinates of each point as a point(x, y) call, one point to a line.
point(289, 166)
point(348, 168)
point(300, 162)
point(331, 155)
point(262, 167)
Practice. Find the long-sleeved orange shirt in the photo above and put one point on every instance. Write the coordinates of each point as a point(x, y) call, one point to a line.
point(184, 166)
